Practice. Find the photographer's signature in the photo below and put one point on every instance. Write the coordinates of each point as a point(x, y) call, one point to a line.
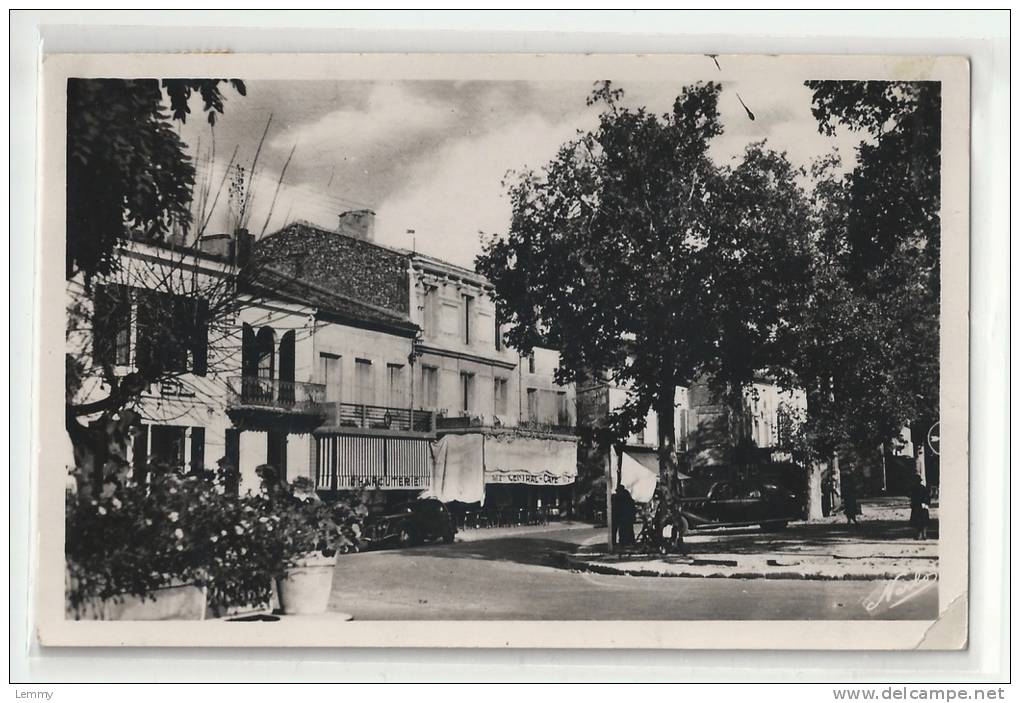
point(899, 590)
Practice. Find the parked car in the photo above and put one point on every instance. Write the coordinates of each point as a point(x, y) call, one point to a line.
point(735, 504)
point(409, 524)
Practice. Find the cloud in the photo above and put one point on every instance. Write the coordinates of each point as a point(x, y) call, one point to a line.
point(458, 192)
point(431, 155)
point(392, 117)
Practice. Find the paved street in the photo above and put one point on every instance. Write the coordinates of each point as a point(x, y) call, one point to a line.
point(523, 578)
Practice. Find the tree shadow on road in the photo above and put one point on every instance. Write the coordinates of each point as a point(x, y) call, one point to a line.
point(531, 551)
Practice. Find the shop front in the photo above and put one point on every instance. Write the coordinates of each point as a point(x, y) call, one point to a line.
point(387, 469)
point(506, 476)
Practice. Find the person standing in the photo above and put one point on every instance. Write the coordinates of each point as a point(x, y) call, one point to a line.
point(851, 508)
point(627, 511)
point(920, 501)
point(829, 495)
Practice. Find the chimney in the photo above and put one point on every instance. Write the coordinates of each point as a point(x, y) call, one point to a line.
point(359, 224)
point(244, 246)
point(219, 245)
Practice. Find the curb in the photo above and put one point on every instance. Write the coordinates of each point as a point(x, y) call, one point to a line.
point(485, 533)
point(778, 574)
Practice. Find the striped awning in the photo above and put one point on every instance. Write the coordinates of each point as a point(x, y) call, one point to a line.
point(390, 463)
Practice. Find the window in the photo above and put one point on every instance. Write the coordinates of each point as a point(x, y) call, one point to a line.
point(172, 333)
point(329, 375)
point(498, 336)
point(430, 386)
point(531, 362)
point(265, 343)
point(499, 395)
point(562, 410)
point(167, 445)
point(468, 309)
point(533, 405)
point(111, 325)
point(467, 389)
point(395, 379)
point(365, 388)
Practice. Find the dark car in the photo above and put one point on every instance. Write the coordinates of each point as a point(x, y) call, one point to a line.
point(735, 504)
point(409, 524)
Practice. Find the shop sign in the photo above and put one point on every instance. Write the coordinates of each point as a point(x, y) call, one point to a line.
point(385, 483)
point(543, 478)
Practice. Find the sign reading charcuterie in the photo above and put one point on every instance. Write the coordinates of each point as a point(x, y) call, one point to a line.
point(385, 483)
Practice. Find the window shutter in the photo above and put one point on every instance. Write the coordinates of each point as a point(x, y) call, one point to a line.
point(197, 449)
point(200, 338)
point(146, 343)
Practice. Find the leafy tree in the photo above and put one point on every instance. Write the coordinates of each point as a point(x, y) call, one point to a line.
point(634, 255)
point(869, 346)
point(127, 169)
point(128, 175)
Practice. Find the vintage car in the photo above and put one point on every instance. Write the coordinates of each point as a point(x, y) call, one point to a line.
point(735, 504)
point(409, 524)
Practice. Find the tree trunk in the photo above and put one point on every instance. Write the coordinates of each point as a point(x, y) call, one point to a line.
point(666, 439)
point(101, 448)
point(668, 489)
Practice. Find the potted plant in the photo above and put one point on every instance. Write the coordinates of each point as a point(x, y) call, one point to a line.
point(312, 533)
point(177, 546)
point(130, 552)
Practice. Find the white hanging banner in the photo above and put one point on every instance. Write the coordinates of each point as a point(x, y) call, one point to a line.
point(512, 458)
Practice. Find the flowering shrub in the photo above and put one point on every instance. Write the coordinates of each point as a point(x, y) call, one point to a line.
point(309, 526)
point(130, 538)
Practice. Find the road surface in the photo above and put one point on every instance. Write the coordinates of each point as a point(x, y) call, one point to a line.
point(522, 577)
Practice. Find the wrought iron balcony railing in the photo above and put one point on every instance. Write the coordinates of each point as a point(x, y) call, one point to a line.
point(275, 394)
point(562, 427)
point(379, 417)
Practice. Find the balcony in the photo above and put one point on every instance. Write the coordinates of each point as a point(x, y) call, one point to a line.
point(468, 422)
point(254, 402)
point(358, 416)
point(561, 426)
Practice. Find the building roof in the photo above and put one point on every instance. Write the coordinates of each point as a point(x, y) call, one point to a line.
point(330, 305)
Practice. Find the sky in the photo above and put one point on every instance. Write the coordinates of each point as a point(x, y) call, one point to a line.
point(432, 156)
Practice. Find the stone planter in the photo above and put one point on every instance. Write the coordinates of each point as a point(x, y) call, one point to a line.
point(183, 602)
point(306, 587)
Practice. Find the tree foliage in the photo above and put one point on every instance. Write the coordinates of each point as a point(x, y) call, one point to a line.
point(127, 169)
point(128, 175)
point(632, 253)
point(869, 338)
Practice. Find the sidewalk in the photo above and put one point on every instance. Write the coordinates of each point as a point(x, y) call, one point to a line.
point(880, 547)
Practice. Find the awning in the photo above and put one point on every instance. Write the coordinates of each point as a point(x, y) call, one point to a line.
point(513, 458)
point(464, 463)
point(348, 462)
point(639, 472)
point(457, 469)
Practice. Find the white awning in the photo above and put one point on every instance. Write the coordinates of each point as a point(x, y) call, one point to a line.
point(457, 469)
point(639, 473)
point(513, 458)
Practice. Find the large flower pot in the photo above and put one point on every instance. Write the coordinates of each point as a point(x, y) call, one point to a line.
point(183, 602)
point(306, 587)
